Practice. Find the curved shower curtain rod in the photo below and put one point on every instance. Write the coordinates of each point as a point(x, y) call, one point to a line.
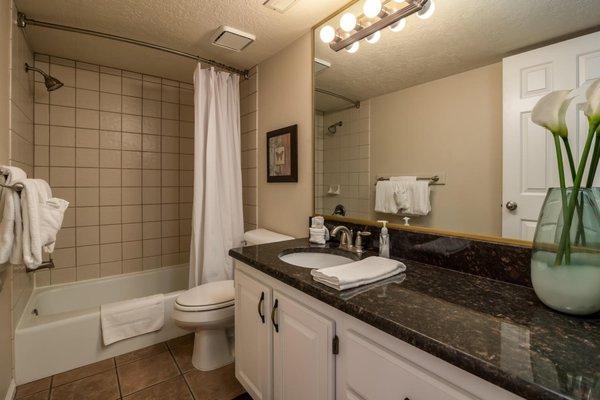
point(23, 21)
point(355, 103)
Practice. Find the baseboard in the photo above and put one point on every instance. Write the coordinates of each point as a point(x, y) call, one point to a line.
point(12, 388)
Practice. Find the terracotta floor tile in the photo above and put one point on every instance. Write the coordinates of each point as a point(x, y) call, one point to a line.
point(146, 372)
point(82, 372)
point(32, 387)
point(173, 389)
point(141, 353)
point(37, 396)
point(183, 355)
point(219, 384)
point(189, 338)
point(102, 386)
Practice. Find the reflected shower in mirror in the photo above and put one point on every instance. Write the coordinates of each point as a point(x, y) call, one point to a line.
point(407, 91)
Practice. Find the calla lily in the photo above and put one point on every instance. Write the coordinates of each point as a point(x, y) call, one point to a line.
point(592, 107)
point(551, 110)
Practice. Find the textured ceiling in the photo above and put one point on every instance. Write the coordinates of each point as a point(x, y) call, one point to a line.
point(185, 25)
point(461, 35)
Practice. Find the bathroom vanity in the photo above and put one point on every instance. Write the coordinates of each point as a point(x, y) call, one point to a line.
point(430, 333)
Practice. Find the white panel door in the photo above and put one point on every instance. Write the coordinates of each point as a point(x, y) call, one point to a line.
point(303, 360)
point(529, 160)
point(253, 356)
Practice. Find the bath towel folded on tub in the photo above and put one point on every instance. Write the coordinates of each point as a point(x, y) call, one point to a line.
point(129, 318)
point(358, 273)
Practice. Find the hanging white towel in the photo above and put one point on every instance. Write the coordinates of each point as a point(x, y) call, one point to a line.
point(11, 228)
point(42, 219)
point(391, 196)
point(358, 273)
point(129, 318)
point(419, 203)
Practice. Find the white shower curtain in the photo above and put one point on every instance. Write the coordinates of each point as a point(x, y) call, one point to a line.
point(217, 219)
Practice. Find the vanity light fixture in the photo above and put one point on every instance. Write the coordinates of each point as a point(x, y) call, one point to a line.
point(376, 16)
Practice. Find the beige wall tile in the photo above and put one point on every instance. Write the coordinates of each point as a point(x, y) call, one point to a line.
point(110, 215)
point(86, 272)
point(151, 178)
point(151, 90)
point(110, 252)
point(131, 213)
point(62, 136)
point(87, 177)
point(151, 247)
point(151, 262)
point(110, 158)
point(131, 141)
point(132, 123)
point(41, 135)
point(110, 196)
point(171, 161)
point(87, 216)
point(87, 138)
point(110, 83)
point(169, 212)
point(85, 79)
point(170, 127)
point(110, 234)
point(150, 160)
point(87, 157)
point(132, 232)
point(64, 258)
point(134, 265)
point(131, 105)
point(151, 108)
point(132, 87)
point(170, 94)
point(110, 102)
point(62, 156)
point(111, 268)
point(110, 177)
point(87, 197)
point(151, 143)
point(151, 212)
point(62, 116)
point(63, 97)
point(131, 177)
point(132, 159)
point(151, 195)
point(151, 125)
point(89, 119)
point(151, 230)
point(62, 275)
point(88, 255)
point(131, 196)
point(110, 121)
point(89, 99)
point(65, 238)
point(88, 235)
point(132, 250)
point(62, 177)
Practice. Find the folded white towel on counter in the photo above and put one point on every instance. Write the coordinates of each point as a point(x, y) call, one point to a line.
point(42, 219)
point(129, 318)
point(358, 273)
point(11, 228)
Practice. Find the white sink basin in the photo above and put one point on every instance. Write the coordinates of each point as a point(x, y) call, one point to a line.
point(314, 260)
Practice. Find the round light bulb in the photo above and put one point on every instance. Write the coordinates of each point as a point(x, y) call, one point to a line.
point(398, 25)
point(348, 22)
point(327, 34)
point(427, 10)
point(353, 48)
point(372, 8)
point(373, 38)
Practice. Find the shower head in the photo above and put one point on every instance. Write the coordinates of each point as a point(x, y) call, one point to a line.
point(333, 128)
point(51, 82)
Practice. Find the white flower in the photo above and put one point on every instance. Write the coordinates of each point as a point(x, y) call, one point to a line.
point(550, 111)
point(592, 107)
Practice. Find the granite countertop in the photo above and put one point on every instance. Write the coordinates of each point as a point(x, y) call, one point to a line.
point(498, 331)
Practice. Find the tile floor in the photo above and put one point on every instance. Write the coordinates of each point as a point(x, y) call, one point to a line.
point(163, 371)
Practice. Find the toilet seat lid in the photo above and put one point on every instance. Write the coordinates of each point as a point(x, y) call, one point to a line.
point(208, 296)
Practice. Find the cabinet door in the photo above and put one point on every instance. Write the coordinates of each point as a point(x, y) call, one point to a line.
point(253, 367)
point(303, 360)
point(373, 372)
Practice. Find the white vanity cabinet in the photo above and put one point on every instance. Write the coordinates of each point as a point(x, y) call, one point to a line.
point(305, 349)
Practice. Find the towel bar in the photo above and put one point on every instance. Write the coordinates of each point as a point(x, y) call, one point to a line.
point(432, 180)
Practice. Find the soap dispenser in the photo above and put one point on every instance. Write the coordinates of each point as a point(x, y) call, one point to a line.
point(384, 241)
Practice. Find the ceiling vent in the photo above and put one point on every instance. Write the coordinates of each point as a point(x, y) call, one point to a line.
point(321, 65)
point(232, 39)
point(279, 5)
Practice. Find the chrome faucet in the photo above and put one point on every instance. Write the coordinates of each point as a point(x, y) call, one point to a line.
point(346, 239)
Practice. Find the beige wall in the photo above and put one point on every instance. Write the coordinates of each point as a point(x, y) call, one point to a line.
point(118, 145)
point(454, 126)
point(285, 98)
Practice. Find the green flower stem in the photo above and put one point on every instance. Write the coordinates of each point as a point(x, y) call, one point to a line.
point(564, 240)
point(595, 160)
point(561, 176)
point(569, 156)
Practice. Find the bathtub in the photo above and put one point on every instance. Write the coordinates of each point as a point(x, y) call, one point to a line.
point(66, 333)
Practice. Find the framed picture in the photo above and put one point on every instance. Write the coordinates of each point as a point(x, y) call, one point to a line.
point(282, 155)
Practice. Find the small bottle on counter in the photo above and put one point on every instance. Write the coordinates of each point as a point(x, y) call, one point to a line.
point(384, 241)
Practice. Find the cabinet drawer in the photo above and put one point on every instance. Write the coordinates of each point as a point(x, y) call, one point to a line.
point(373, 372)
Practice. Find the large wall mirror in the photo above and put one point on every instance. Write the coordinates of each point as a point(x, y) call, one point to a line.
point(444, 96)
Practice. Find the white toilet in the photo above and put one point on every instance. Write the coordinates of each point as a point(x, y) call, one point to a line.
point(208, 310)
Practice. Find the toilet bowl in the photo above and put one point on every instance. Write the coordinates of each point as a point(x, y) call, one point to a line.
point(208, 310)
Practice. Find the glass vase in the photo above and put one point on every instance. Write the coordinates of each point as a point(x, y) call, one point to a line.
point(565, 263)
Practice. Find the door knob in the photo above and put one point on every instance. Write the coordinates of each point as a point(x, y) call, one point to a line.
point(511, 206)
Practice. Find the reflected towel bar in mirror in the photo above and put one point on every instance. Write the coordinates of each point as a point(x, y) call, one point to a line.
point(432, 180)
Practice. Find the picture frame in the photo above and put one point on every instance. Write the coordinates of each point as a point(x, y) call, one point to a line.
point(282, 155)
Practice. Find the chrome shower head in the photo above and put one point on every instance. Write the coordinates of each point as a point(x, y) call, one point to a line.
point(333, 128)
point(51, 82)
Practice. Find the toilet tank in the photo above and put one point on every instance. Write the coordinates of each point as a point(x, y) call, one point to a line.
point(262, 236)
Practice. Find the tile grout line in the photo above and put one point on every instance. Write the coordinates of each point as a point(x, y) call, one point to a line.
point(118, 379)
point(181, 372)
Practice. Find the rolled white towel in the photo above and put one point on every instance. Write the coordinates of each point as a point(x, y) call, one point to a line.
point(358, 273)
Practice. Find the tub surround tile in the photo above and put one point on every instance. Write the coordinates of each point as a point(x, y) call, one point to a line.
point(462, 319)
